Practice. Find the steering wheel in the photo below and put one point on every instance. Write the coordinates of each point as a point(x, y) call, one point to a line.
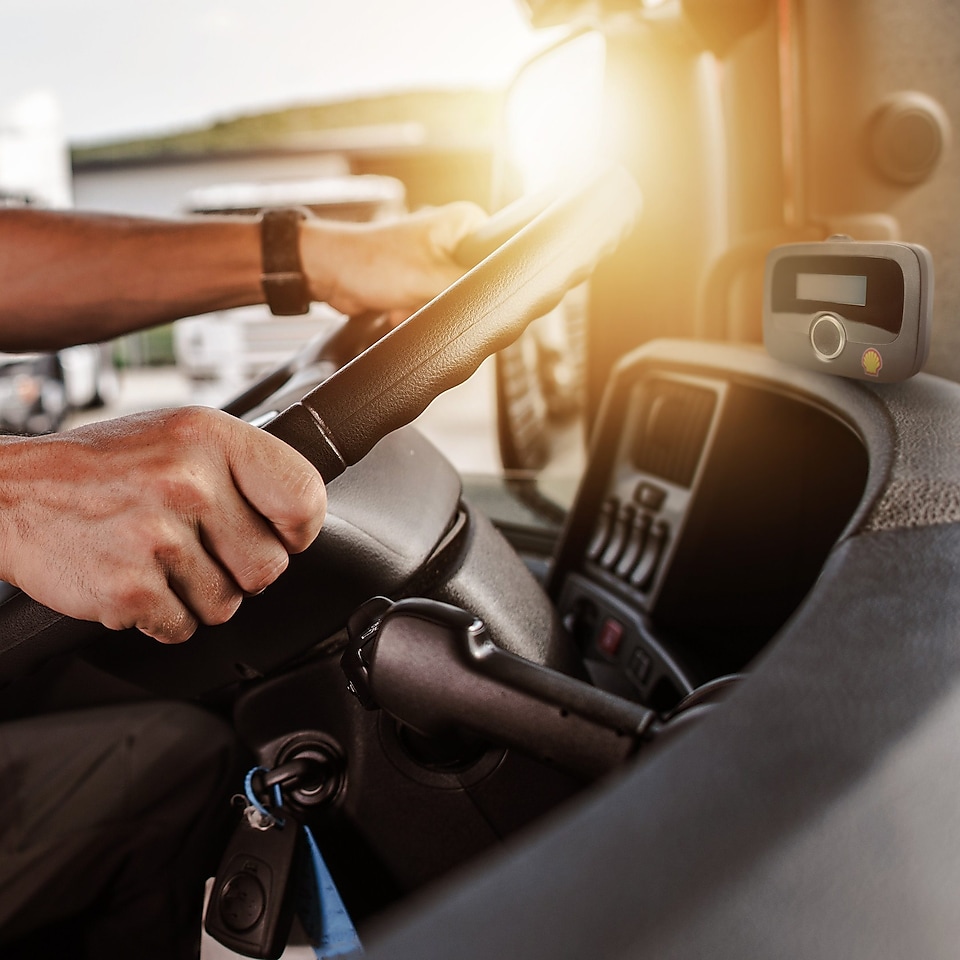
point(393, 381)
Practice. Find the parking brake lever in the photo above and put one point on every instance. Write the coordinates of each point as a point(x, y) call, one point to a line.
point(433, 667)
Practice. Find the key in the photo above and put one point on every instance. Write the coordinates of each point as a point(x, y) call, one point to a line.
point(251, 906)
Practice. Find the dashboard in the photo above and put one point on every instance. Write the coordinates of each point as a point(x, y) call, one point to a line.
point(713, 496)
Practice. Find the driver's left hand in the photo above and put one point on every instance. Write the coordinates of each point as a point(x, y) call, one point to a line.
point(391, 267)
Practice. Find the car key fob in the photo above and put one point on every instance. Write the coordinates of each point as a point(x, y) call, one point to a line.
point(252, 902)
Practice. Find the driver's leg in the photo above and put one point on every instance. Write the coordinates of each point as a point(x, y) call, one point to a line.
point(108, 828)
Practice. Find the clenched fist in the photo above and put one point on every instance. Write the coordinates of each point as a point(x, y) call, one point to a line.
point(158, 521)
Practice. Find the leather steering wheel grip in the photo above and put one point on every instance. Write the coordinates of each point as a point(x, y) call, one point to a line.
point(393, 381)
point(355, 334)
point(441, 345)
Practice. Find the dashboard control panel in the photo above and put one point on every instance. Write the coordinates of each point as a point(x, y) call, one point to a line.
point(630, 535)
point(708, 505)
point(667, 426)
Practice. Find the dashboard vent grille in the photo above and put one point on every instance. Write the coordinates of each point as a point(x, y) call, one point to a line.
point(673, 426)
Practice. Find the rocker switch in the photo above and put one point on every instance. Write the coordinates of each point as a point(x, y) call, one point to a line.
point(643, 574)
point(618, 540)
point(636, 541)
point(605, 522)
point(610, 637)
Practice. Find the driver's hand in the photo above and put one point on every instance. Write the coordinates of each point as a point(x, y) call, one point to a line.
point(158, 521)
point(391, 267)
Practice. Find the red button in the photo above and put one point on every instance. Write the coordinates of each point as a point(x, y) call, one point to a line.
point(611, 633)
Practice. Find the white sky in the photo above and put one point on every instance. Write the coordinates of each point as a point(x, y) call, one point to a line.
point(119, 67)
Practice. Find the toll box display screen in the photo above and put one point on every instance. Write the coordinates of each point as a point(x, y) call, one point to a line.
point(866, 290)
point(832, 288)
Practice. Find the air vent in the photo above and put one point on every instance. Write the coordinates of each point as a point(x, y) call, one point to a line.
point(672, 429)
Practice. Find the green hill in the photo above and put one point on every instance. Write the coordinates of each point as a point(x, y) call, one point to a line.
point(446, 116)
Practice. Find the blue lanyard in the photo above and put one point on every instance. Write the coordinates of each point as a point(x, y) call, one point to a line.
point(322, 913)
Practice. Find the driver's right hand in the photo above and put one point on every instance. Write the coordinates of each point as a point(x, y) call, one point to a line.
point(158, 521)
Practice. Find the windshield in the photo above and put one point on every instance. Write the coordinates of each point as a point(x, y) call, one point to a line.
point(358, 110)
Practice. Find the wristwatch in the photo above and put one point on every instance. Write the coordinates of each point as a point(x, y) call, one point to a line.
point(284, 282)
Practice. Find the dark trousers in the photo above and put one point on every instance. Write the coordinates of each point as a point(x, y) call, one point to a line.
point(110, 821)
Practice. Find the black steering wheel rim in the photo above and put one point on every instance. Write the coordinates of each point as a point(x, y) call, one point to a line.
point(392, 382)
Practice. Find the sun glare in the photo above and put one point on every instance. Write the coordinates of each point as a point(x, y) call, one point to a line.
point(554, 113)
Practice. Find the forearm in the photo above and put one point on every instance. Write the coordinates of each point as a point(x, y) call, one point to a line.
point(68, 278)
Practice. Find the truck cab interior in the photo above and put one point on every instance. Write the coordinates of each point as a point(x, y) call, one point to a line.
point(705, 703)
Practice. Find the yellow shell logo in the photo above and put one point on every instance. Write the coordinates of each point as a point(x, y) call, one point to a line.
point(871, 361)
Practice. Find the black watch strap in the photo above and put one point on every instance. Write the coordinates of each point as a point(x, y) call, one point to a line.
point(284, 283)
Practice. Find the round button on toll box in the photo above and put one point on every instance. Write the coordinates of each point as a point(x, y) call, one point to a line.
point(827, 337)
